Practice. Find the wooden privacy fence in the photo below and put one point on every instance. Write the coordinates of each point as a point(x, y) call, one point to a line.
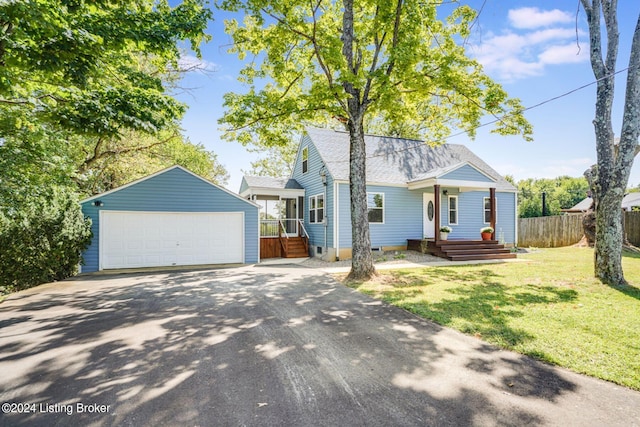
point(566, 230)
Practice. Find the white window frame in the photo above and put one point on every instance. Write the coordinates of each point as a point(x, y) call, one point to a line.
point(484, 210)
point(381, 208)
point(305, 159)
point(313, 207)
point(449, 210)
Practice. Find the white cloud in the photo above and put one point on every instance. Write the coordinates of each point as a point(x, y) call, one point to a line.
point(523, 51)
point(192, 63)
point(564, 54)
point(532, 17)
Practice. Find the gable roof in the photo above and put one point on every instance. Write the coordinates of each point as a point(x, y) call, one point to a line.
point(398, 161)
point(88, 199)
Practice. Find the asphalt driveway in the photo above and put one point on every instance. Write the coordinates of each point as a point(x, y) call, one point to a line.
point(266, 346)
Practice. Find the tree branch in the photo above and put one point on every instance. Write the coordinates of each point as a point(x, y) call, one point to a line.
point(98, 154)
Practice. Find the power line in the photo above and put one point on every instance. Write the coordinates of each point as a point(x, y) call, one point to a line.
point(462, 132)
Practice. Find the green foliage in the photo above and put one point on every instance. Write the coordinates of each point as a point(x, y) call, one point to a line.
point(274, 161)
point(408, 71)
point(561, 193)
point(374, 64)
point(41, 239)
point(107, 163)
point(92, 67)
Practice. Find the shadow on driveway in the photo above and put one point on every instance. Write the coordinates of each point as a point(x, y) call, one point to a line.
point(267, 346)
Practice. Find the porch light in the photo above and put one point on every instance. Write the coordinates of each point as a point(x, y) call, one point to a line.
point(445, 192)
point(323, 175)
point(98, 203)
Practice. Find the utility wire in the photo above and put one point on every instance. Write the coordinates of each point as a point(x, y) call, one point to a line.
point(462, 132)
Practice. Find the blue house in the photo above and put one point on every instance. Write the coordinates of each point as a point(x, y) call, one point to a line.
point(413, 190)
point(170, 218)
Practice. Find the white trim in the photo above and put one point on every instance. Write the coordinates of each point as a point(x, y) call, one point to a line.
point(270, 191)
point(449, 210)
point(383, 207)
point(106, 193)
point(336, 218)
point(484, 210)
point(435, 173)
point(430, 182)
point(324, 208)
point(515, 220)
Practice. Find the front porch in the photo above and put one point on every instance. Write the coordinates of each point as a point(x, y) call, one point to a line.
point(461, 250)
point(283, 238)
point(282, 232)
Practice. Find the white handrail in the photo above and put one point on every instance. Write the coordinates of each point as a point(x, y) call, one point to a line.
point(284, 229)
point(303, 229)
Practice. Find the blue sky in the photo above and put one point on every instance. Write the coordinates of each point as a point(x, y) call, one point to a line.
point(528, 46)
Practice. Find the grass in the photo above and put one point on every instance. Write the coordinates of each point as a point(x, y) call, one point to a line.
point(549, 306)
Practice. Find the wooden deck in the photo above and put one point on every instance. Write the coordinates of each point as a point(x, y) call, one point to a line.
point(462, 250)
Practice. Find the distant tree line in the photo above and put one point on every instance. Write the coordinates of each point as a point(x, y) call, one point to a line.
point(559, 193)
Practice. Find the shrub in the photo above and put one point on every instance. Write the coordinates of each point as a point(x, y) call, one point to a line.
point(41, 240)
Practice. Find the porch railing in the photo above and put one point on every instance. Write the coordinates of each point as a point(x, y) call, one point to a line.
point(278, 227)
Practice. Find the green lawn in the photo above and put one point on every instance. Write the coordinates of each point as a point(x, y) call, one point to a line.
point(548, 306)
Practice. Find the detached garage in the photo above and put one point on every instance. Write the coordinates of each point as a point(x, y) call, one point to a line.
point(170, 218)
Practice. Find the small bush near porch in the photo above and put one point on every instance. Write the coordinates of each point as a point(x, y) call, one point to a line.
point(548, 306)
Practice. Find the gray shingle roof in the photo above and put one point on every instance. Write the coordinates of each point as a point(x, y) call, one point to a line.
point(396, 160)
point(270, 182)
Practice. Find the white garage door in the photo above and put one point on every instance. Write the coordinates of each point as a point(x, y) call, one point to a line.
point(156, 239)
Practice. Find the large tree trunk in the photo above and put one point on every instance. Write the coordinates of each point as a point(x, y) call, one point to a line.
point(614, 160)
point(362, 261)
point(609, 239)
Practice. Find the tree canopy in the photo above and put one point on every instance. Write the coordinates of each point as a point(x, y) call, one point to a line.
point(392, 65)
point(92, 67)
point(560, 193)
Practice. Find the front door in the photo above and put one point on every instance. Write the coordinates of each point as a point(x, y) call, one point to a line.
point(429, 215)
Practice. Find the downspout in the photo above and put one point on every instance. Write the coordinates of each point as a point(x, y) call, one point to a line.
point(325, 220)
point(336, 219)
point(515, 220)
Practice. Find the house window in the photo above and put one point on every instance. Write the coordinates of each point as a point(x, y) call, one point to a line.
point(305, 159)
point(375, 207)
point(487, 210)
point(316, 209)
point(453, 210)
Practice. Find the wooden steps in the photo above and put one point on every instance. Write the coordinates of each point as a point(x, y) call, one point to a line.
point(294, 247)
point(469, 250)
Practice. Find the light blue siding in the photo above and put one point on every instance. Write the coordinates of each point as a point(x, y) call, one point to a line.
point(243, 185)
point(402, 217)
point(471, 215)
point(174, 190)
point(467, 173)
point(312, 184)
